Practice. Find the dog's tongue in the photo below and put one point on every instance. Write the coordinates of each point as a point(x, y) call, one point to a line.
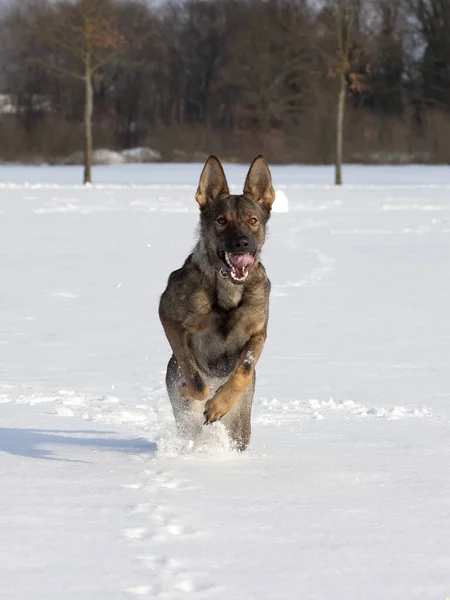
point(241, 260)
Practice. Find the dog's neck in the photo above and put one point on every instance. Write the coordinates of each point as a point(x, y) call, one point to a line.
point(227, 295)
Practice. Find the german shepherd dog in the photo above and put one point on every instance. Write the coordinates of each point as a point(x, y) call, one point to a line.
point(215, 308)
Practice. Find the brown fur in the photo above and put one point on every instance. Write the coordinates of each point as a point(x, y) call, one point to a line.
point(215, 326)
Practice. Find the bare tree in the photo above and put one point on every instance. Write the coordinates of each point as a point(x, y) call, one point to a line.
point(339, 24)
point(431, 21)
point(329, 43)
point(80, 38)
point(344, 46)
point(275, 92)
point(303, 80)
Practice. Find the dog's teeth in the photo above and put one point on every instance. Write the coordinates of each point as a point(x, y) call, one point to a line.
point(235, 273)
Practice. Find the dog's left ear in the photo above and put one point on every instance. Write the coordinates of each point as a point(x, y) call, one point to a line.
point(213, 183)
point(259, 184)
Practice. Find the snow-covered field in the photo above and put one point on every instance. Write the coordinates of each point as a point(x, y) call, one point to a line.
point(345, 492)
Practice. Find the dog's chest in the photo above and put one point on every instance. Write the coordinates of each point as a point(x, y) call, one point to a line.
point(218, 350)
point(228, 295)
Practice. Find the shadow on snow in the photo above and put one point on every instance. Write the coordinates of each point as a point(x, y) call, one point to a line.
point(29, 442)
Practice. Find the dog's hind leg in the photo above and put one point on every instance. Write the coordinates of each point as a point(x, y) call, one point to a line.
point(188, 414)
point(238, 420)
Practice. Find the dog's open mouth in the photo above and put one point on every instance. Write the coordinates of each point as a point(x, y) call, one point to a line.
point(238, 265)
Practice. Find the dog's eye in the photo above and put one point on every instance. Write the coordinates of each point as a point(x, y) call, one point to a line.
point(222, 221)
point(253, 221)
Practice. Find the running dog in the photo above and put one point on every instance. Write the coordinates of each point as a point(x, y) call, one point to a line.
point(215, 308)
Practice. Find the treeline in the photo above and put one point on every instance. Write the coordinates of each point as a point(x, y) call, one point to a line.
point(234, 77)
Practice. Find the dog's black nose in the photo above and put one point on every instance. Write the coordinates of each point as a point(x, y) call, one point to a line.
point(241, 243)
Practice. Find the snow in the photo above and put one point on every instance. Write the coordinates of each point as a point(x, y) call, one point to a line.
point(345, 490)
point(141, 155)
point(6, 103)
point(168, 175)
point(100, 156)
point(105, 157)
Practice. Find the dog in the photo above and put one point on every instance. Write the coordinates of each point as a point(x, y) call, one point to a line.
point(215, 309)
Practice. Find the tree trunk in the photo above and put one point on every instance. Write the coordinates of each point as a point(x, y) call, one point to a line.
point(340, 130)
point(88, 111)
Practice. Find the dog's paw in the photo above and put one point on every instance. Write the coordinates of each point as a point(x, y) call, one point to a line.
point(215, 409)
point(190, 394)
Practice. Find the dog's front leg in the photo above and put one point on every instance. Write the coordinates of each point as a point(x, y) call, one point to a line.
point(228, 394)
point(193, 388)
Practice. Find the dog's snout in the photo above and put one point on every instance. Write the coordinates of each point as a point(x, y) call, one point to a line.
point(241, 243)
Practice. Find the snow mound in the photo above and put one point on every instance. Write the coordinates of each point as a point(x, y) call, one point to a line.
point(7, 105)
point(101, 156)
point(281, 203)
point(141, 155)
point(73, 159)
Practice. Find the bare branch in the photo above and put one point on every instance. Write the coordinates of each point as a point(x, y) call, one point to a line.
point(62, 70)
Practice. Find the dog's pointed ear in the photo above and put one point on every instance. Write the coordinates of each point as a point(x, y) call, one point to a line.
point(212, 183)
point(259, 183)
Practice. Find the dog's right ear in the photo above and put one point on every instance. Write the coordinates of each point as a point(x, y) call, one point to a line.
point(213, 183)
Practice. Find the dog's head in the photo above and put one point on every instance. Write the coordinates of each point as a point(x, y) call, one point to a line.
point(233, 227)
